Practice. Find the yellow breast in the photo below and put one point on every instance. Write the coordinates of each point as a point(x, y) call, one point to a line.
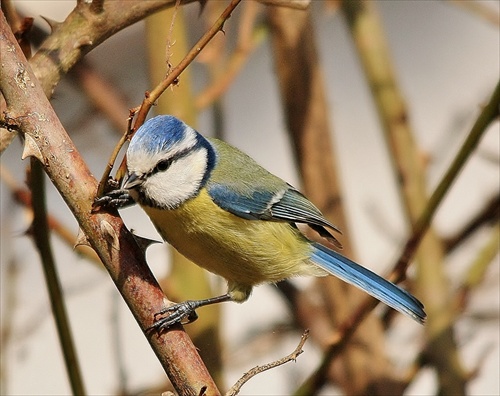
point(245, 252)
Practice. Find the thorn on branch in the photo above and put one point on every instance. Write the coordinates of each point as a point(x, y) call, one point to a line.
point(54, 25)
point(110, 235)
point(203, 391)
point(81, 239)
point(143, 242)
point(83, 42)
point(31, 149)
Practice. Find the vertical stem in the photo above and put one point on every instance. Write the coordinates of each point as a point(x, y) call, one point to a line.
point(41, 236)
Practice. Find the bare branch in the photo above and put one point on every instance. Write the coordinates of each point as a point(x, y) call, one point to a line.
point(83, 30)
point(235, 389)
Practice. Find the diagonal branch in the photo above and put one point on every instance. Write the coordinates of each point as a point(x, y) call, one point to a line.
point(347, 329)
point(173, 76)
point(83, 30)
point(29, 112)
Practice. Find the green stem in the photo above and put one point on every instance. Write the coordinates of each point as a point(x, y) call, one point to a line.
point(488, 115)
point(41, 234)
point(346, 330)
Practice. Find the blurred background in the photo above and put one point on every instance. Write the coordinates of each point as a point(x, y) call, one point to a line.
point(443, 58)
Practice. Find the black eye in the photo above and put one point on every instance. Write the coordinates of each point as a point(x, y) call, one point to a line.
point(162, 165)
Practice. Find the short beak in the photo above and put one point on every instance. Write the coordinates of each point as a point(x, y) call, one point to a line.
point(132, 180)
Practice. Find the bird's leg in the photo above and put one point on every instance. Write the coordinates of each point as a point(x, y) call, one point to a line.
point(114, 199)
point(184, 312)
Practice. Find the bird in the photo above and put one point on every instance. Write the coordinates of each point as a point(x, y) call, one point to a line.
point(222, 210)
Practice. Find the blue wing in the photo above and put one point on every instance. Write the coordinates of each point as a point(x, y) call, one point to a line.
point(286, 205)
point(371, 283)
point(242, 187)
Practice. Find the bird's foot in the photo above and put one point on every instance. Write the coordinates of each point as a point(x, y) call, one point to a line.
point(114, 199)
point(183, 313)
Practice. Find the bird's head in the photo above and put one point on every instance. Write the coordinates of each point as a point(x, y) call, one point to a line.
point(168, 162)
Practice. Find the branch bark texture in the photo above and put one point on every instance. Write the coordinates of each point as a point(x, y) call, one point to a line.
point(30, 113)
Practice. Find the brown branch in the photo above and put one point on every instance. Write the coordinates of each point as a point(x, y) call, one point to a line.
point(83, 30)
point(235, 389)
point(29, 112)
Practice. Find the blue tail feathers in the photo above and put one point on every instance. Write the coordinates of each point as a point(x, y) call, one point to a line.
point(366, 280)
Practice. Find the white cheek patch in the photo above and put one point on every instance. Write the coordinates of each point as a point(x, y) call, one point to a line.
point(181, 181)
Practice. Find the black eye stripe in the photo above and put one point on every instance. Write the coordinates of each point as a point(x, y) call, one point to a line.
point(163, 165)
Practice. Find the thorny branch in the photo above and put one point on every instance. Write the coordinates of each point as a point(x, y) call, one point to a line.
point(30, 112)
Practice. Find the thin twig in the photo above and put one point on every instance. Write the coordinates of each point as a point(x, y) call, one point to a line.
point(103, 183)
point(172, 78)
point(235, 389)
point(170, 41)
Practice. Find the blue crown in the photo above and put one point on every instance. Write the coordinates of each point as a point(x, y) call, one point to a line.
point(160, 133)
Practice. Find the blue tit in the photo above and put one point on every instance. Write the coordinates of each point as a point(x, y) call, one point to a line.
point(226, 213)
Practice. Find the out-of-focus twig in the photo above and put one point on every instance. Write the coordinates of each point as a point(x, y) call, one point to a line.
point(293, 4)
point(432, 284)
point(488, 214)
point(249, 38)
point(477, 270)
point(487, 116)
point(41, 236)
point(302, 89)
point(23, 196)
point(481, 9)
point(102, 94)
